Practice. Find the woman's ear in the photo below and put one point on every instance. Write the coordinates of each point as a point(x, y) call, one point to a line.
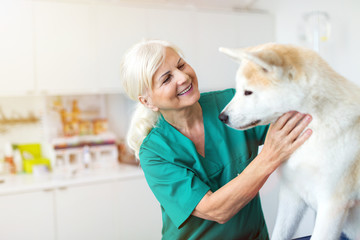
point(146, 101)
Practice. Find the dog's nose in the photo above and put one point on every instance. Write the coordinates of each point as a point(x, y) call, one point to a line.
point(224, 117)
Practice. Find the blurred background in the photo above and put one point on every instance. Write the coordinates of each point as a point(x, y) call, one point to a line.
point(65, 171)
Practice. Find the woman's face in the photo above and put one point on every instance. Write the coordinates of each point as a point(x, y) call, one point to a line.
point(174, 84)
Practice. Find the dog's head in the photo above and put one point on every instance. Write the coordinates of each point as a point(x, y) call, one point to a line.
point(267, 85)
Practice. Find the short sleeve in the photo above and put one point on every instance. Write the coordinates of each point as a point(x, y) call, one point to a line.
point(177, 188)
point(260, 132)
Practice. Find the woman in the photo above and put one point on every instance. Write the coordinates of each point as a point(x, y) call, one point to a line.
point(205, 175)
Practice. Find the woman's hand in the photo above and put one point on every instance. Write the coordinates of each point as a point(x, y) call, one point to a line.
point(285, 136)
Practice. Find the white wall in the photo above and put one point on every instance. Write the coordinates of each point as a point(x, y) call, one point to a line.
point(119, 112)
point(21, 107)
point(341, 51)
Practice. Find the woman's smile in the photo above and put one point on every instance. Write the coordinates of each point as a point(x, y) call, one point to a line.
point(185, 91)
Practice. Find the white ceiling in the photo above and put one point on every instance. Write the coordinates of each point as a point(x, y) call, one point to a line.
point(218, 4)
point(245, 4)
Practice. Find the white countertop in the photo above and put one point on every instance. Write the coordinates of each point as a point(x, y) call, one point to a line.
point(20, 183)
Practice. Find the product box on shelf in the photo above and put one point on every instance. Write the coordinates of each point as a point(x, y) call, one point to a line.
point(73, 154)
point(32, 158)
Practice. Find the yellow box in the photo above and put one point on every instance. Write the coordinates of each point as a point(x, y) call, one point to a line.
point(28, 164)
point(31, 155)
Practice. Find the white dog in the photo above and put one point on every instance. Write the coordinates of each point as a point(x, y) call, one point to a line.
point(324, 173)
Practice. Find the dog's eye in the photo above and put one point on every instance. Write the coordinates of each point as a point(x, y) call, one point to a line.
point(247, 93)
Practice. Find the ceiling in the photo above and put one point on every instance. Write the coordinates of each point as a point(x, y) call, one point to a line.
point(243, 4)
point(218, 4)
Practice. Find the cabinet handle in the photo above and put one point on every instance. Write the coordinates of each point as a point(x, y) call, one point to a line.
point(63, 188)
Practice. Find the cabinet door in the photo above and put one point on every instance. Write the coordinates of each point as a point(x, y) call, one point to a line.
point(116, 29)
point(16, 48)
point(27, 216)
point(64, 48)
point(138, 212)
point(177, 26)
point(86, 212)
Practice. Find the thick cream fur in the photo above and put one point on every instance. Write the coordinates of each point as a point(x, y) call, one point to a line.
point(324, 173)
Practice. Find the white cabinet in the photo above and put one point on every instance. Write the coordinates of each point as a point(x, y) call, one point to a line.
point(86, 212)
point(72, 47)
point(122, 209)
point(64, 47)
point(137, 210)
point(96, 207)
point(27, 216)
point(16, 48)
point(119, 27)
point(177, 26)
point(199, 34)
point(115, 29)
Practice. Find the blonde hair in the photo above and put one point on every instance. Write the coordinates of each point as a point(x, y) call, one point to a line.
point(137, 70)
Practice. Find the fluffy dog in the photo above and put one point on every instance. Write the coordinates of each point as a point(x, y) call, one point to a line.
point(324, 173)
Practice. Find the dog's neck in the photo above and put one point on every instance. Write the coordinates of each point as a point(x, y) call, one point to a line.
point(331, 101)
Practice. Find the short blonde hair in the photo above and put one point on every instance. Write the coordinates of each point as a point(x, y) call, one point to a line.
point(137, 70)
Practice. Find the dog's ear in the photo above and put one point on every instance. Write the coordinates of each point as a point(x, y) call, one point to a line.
point(239, 54)
point(235, 54)
point(253, 57)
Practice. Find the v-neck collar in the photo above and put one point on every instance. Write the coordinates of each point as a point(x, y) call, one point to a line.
point(172, 127)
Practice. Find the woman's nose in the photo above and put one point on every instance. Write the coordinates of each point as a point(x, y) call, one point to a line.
point(182, 77)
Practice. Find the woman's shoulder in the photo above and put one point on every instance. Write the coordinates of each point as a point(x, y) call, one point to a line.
point(151, 145)
point(220, 98)
point(156, 135)
point(157, 139)
point(219, 93)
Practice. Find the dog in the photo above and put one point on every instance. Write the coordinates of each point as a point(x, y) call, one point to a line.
point(323, 173)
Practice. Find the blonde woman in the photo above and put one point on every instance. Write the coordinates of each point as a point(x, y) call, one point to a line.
point(205, 175)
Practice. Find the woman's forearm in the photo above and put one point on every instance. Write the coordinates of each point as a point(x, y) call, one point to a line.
point(223, 204)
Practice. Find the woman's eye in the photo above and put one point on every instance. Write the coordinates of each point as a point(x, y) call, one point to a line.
point(181, 66)
point(167, 78)
point(247, 92)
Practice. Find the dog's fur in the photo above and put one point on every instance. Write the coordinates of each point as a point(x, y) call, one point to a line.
point(324, 173)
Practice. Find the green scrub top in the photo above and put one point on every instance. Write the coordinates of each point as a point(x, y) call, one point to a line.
point(179, 177)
